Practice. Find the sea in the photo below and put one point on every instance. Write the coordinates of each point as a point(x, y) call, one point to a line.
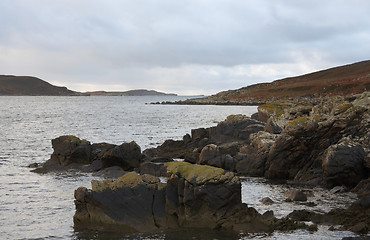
point(41, 206)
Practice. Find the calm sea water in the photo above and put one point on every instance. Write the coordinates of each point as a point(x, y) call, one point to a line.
point(34, 206)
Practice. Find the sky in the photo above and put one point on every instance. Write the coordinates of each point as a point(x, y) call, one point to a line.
point(188, 47)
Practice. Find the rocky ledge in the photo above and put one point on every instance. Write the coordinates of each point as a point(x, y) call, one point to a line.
point(195, 196)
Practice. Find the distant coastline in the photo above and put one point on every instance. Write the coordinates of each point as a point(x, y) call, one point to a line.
point(32, 86)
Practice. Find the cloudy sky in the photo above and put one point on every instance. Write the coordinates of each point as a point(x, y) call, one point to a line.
point(185, 46)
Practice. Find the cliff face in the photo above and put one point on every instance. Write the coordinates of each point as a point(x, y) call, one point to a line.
point(343, 80)
point(25, 85)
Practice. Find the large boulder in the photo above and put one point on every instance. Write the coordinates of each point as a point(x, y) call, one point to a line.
point(70, 149)
point(343, 165)
point(196, 196)
point(218, 156)
point(235, 128)
point(127, 156)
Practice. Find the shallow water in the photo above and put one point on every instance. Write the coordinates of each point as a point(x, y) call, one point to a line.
point(34, 206)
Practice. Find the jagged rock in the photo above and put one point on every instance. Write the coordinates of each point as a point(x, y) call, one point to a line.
point(343, 165)
point(195, 196)
point(153, 168)
point(234, 128)
point(127, 156)
point(302, 149)
point(70, 149)
point(267, 201)
point(213, 155)
point(72, 152)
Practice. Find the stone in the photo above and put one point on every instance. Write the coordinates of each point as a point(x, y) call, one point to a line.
point(70, 149)
point(295, 195)
point(195, 196)
point(153, 168)
point(267, 201)
point(127, 156)
point(343, 165)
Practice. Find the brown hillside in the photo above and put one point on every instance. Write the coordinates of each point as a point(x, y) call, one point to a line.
point(349, 79)
point(343, 80)
point(24, 85)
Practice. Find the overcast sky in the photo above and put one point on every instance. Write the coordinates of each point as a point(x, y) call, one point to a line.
point(185, 47)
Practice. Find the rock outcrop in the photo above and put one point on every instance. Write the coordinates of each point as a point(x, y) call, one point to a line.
point(325, 144)
point(72, 152)
point(194, 196)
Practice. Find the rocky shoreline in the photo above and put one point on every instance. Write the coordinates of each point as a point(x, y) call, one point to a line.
point(298, 142)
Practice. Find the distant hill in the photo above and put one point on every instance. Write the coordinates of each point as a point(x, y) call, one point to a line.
point(343, 80)
point(24, 85)
point(139, 92)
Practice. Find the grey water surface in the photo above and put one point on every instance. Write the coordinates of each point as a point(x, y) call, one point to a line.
point(34, 206)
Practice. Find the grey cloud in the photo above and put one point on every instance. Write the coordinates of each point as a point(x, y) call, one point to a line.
point(128, 39)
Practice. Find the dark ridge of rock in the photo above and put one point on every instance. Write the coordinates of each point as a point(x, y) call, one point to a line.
point(195, 196)
point(25, 85)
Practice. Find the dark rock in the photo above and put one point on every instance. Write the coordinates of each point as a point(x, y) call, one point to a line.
point(362, 203)
point(360, 228)
point(200, 133)
point(234, 128)
point(266, 201)
point(110, 172)
point(127, 156)
point(274, 125)
point(337, 189)
point(343, 165)
point(153, 168)
point(70, 149)
point(357, 238)
point(363, 187)
point(295, 195)
point(195, 196)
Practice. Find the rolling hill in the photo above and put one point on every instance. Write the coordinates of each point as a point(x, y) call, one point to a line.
point(343, 80)
point(25, 85)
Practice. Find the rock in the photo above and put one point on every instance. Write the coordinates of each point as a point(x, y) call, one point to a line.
point(153, 168)
point(210, 153)
point(337, 189)
point(360, 228)
point(266, 201)
point(362, 203)
point(70, 152)
point(198, 134)
point(70, 149)
point(343, 165)
point(127, 156)
point(282, 107)
point(275, 125)
point(33, 165)
point(357, 238)
point(111, 172)
point(363, 187)
point(322, 146)
point(234, 128)
point(295, 195)
point(268, 214)
point(196, 196)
